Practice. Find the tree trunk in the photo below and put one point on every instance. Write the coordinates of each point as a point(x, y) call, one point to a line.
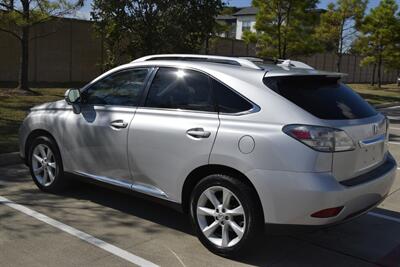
point(338, 61)
point(279, 41)
point(340, 48)
point(284, 53)
point(379, 71)
point(24, 60)
point(373, 75)
point(207, 45)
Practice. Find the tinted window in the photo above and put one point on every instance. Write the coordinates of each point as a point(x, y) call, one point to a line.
point(123, 88)
point(228, 101)
point(180, 89)
point(324, 97)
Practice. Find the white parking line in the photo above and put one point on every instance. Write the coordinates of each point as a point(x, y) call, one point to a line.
point(79, 234)
point(390, 218)
point(394, 143)
point(394, 128)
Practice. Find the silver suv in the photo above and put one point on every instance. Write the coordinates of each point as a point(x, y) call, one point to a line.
point(235, 142)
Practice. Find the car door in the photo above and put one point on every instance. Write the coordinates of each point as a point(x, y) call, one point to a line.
point(173, 133)
point(96, 138)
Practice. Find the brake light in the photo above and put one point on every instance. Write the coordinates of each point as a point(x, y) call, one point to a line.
point(324, 139)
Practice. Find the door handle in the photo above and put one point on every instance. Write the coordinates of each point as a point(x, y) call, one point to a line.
point(198, 133)
point(119, 124)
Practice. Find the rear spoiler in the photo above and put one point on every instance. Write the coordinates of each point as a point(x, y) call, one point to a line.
point(302, 72)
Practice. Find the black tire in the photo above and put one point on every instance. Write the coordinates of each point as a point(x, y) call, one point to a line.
point(253, 215)
point(60, 182)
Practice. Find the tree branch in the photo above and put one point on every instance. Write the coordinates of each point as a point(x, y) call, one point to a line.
point(7, 7)
point(12, 33)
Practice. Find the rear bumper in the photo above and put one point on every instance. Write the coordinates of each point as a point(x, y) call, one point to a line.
point(290, 198)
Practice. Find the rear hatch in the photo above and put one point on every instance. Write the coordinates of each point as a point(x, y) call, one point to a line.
point(338, 107)
point(369, 136)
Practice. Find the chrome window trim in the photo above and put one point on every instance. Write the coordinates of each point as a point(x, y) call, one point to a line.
point(151, 79)
point(255, 108)
point(146, 81)
point(178, 110)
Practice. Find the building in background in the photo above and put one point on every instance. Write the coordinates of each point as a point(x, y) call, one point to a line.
point(237, 23)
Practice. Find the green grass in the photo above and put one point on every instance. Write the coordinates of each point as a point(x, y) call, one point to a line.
point(13, 107)
point(389, 93)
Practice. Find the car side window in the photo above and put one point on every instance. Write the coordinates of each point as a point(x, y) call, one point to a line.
point(228, 101)
point(123, 88)
point(174, 88)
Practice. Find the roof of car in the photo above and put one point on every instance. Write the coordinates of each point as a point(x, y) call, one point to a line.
point(272, 67)
point(203, 58)
point(246, 69)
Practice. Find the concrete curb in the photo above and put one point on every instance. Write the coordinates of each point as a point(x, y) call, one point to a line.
point(10, 158)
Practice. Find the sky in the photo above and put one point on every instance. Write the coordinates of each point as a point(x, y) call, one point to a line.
point(85, 11)
point(322, 4)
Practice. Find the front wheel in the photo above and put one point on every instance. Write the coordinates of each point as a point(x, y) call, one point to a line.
point(225, 214)
point(46, 166)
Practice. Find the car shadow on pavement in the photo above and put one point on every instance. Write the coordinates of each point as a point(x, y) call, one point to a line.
point(366, 241)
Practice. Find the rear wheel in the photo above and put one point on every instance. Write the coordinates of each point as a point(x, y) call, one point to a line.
point(46, 166)
point(225, 214)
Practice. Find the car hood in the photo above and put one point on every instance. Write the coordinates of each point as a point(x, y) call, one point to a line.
point(57, 105)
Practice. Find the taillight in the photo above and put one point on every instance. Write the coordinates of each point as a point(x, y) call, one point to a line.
point(322, 139)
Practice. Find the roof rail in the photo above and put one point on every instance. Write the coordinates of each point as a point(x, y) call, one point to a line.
point(280, 62)
point(202, 58)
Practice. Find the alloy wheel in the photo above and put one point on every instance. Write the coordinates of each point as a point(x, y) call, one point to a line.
point(220, 216)
point(44, 164)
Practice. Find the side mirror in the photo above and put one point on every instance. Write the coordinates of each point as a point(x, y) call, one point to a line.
point(72, 97)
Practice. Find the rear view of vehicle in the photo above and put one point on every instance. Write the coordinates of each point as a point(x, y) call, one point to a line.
point(352, 133)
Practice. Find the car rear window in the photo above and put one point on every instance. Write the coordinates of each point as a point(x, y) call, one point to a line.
point(323, 97)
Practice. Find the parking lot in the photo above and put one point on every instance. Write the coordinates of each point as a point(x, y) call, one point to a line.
point(94, 226)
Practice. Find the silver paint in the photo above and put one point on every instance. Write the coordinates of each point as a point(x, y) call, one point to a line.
point(154, 150)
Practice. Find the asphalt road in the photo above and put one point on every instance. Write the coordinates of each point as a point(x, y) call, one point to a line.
point(94, 226)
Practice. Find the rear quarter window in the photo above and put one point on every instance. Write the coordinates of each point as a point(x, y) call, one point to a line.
point(323, 97)
point(228, 101)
